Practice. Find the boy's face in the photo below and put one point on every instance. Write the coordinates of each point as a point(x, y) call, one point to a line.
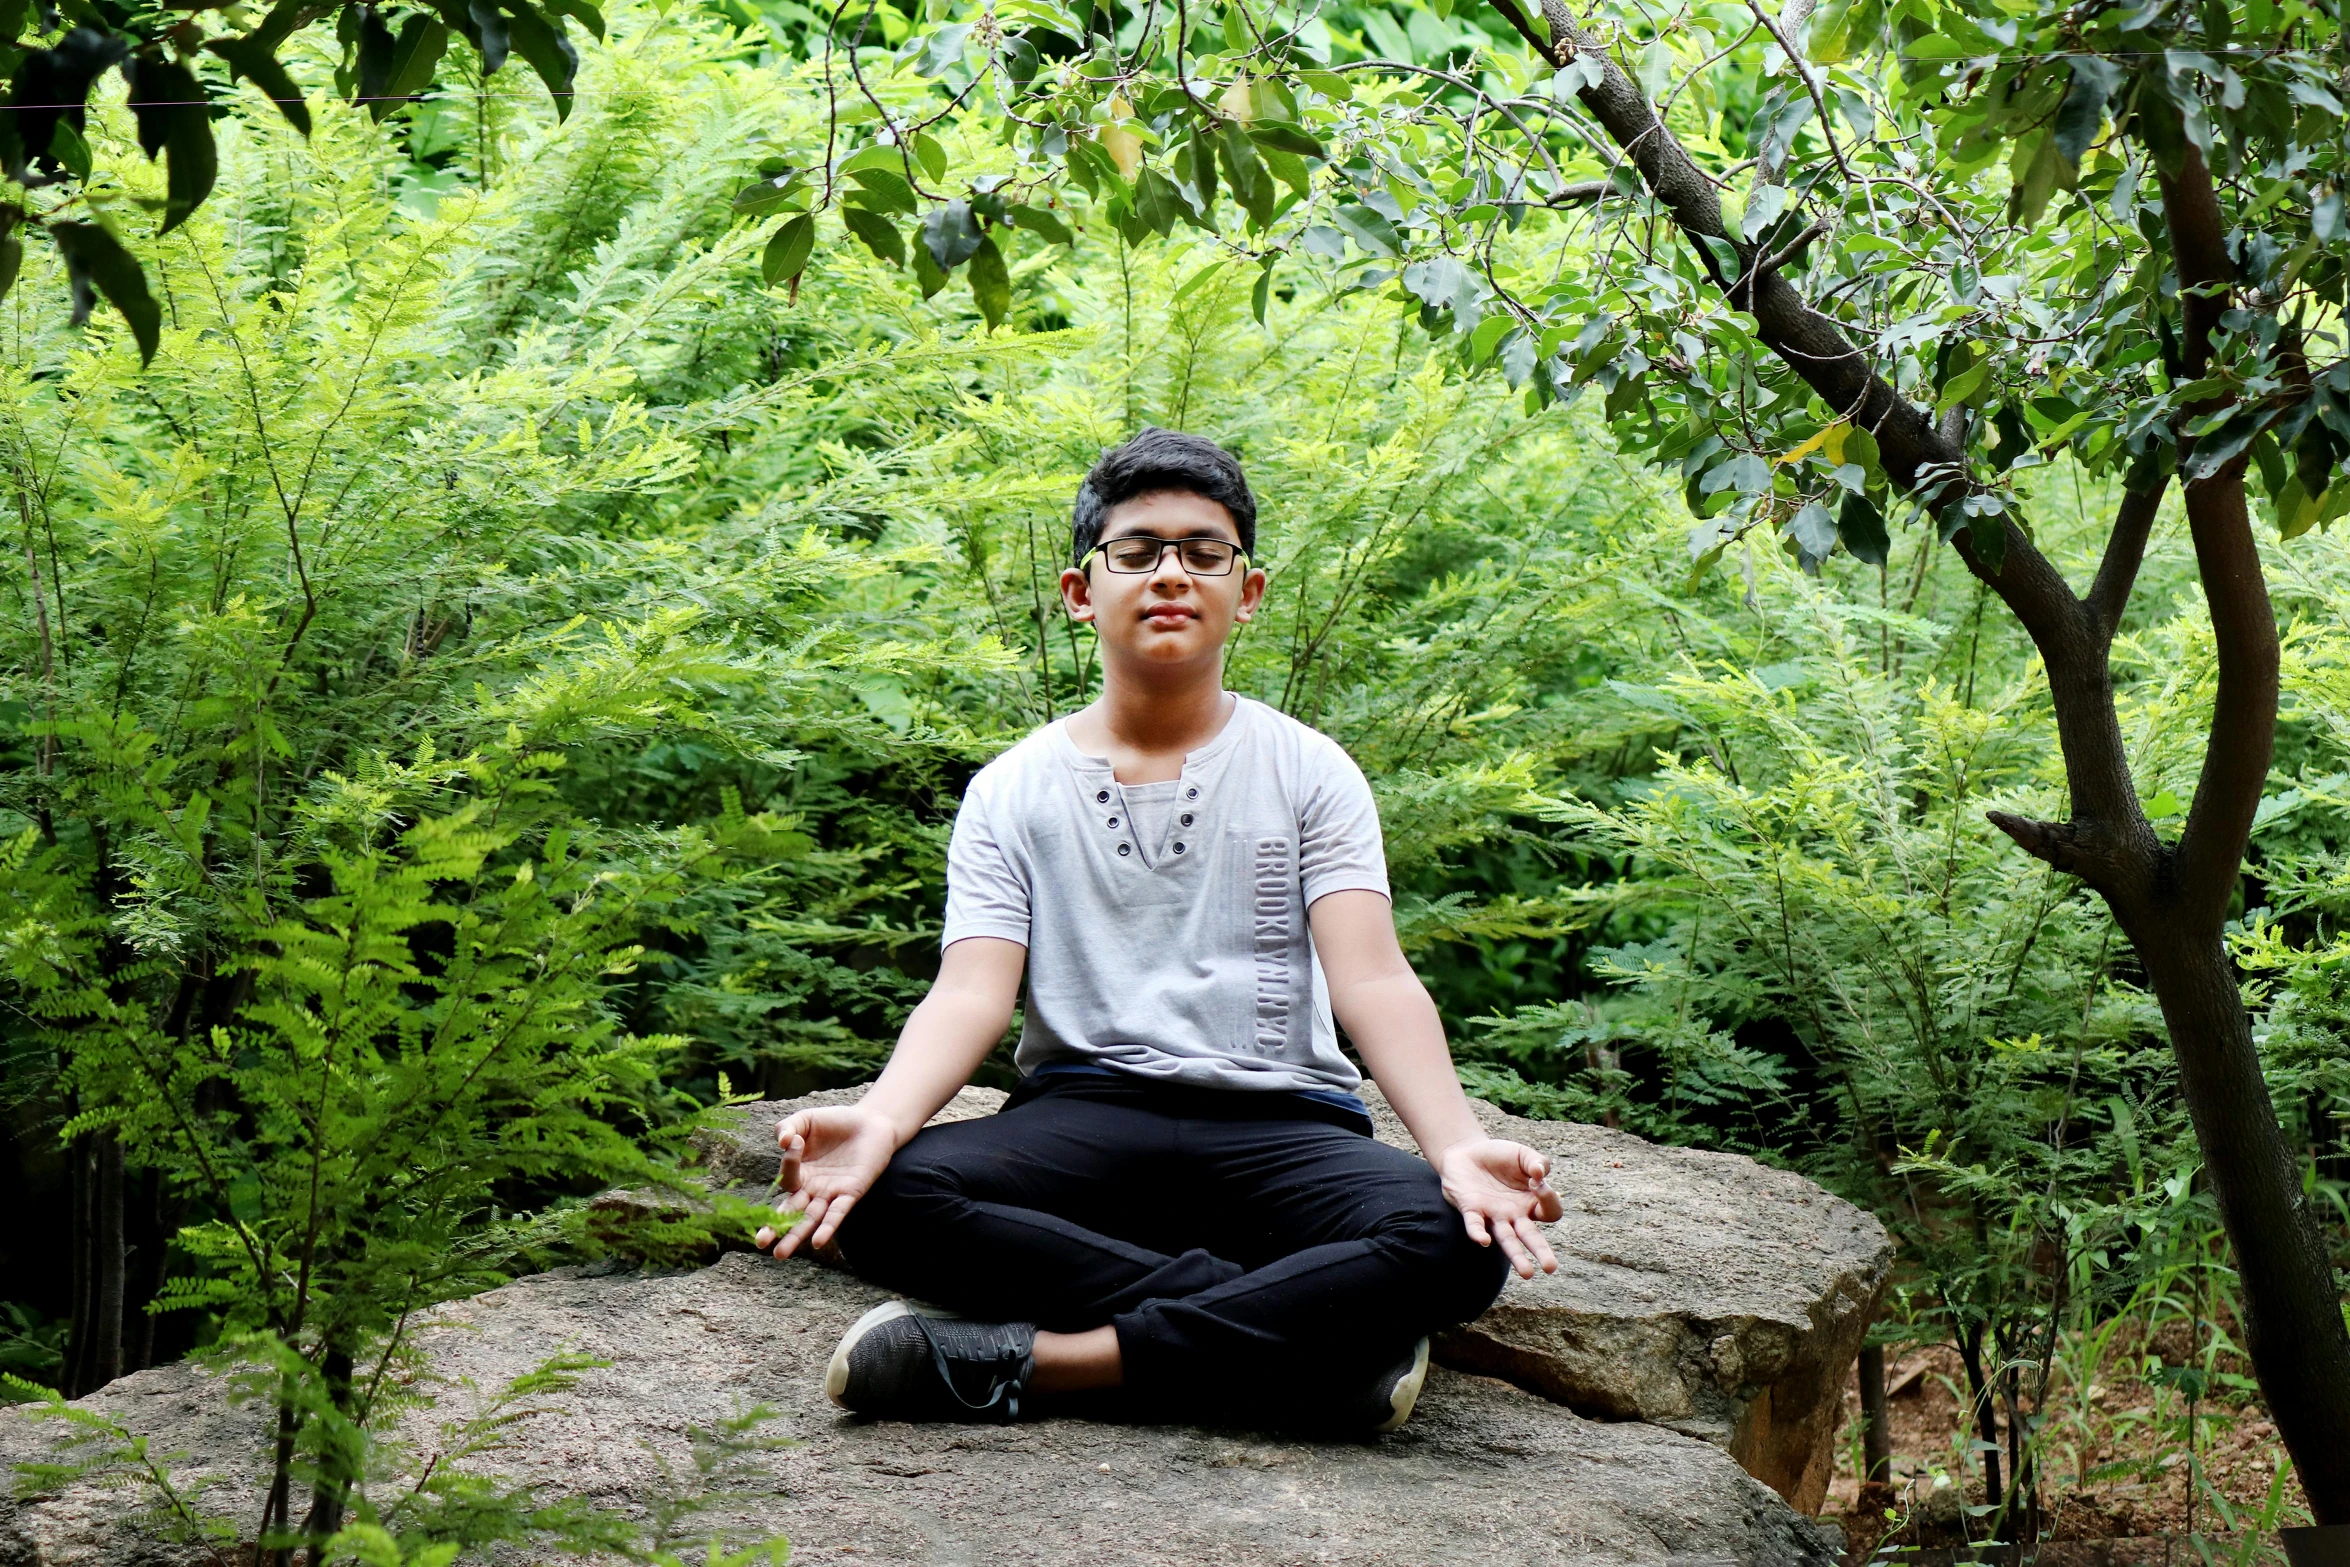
point(1168, 616)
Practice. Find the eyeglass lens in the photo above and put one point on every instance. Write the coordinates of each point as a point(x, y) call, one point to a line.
point(1201, 557)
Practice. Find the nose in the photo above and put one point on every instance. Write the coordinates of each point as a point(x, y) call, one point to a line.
point(1169, 571)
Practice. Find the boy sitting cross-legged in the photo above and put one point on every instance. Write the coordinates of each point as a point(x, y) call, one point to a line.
point(1181, 1199)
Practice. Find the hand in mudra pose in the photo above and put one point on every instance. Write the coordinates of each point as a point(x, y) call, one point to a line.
point(832, 1157)
point(1502, 1191)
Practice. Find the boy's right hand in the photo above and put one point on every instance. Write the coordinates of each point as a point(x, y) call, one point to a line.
point(831, 1157)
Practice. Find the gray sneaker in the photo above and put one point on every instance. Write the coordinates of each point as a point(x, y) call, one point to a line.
point(1397, 1390)
point(906, 1362)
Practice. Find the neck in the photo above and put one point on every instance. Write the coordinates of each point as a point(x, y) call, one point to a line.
point(1171, 712)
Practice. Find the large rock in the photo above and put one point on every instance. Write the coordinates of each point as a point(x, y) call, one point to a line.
point(1702, 1292)
point(1484, 1473)
point(1698, 1291)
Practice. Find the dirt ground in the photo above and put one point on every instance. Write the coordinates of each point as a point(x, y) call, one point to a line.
point(2119, 1463)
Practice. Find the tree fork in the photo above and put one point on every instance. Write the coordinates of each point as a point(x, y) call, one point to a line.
point(2170, 902)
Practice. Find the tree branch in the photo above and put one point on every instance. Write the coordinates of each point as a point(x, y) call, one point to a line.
point(1543, 47)
point(2242, 741)
point(2125, 549)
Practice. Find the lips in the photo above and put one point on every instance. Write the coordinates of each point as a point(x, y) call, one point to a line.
point(1169, 614)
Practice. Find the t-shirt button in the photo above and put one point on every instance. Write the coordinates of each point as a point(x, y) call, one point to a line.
point(1191, 794)
point(1113, 821)
point(1126, 848)
point(1187, 818)
point(1179, 848)
point(1103, 797)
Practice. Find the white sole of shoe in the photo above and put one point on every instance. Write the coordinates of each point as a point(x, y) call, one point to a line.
point(836, 1371)
point(1407, 1392)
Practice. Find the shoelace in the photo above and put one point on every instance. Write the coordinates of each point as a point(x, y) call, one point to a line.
point(1004, 1388)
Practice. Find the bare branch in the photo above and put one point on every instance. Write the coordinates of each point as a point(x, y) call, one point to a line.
point(2125, 548)
point(2242, 741)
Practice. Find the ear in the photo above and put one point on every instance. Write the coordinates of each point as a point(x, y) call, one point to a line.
point(1077, 595)
point(1252, 593)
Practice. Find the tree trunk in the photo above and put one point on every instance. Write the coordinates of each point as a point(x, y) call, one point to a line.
point(95, 1354)
point(2171, 901)
point(337, 1462)
point(1984, 1399)
point(277, 1512)
point(1876, 1424)
point(2290, 1302)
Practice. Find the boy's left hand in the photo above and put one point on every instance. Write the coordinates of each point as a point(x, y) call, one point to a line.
point(1502, 1192)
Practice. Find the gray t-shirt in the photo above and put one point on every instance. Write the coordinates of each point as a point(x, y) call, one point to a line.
point(1172, 943)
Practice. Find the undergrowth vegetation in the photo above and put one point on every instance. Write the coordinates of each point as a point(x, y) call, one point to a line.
point(499, 683)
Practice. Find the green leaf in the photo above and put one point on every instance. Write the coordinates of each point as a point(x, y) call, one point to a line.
point(549, 52)
point(1489, 332)
point(581, 11)
point(96, 263)
point(1860, 448)
point(171, 106)
point(1290, 170)
point(67, 147)
point(252, 57)
point(991, 281)
point(1251, 182)
point(1862, 527)
point(1157, 204)
point(372, 46)
point(1988, 530)
point(943, 49)
point(1963, 386)
point(788, 249)
point(927, 273)
point(1041, 222)
point(1260, 298)
point(930, 155)
point(769, 195)
point(885, 190)
point(879, 234)
point(1281, 137)
point(1367, 228)
point(423, 40)
point(950, 234)
point(2039, 166)
point(1814, 532)
point(2163, 806)
point(2271, 460)
point(1199, 164)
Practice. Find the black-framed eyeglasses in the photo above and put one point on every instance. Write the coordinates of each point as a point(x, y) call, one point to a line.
point(1139, 553)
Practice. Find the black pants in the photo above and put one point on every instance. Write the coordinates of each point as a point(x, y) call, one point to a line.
point(1249, 1253)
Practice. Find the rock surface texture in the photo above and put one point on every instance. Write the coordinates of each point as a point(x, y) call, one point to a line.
point(1698, 1291)
point(1702, 1292)
point(1705, 1310)
point(1484, 1473)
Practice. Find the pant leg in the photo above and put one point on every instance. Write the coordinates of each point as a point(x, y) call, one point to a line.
point(1019, 1217)
point(1352, 1255)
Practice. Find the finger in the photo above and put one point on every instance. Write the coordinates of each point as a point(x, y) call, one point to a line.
point(765, 1238)
point(808, 1220)
point(1520, 1259)
point(1538, 1244)
point(836, 1211)
point(1547, 1206)
point(1533, 1166)
point(1474, 1223)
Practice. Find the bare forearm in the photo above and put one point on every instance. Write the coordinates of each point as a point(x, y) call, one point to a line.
point(949, 1034)
point(1396, 1028)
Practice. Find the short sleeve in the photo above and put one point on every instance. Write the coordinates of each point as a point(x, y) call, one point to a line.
point(986, 894)
point(1339, 846)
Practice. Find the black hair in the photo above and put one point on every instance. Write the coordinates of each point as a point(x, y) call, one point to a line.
point(1153, 463)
